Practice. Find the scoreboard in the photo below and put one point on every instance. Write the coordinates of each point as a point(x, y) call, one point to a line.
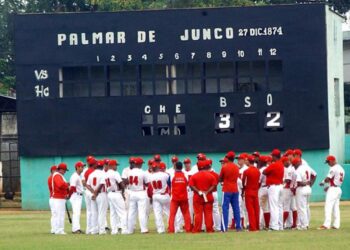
point(172, 81)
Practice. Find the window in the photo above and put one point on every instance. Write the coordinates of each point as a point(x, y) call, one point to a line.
point(248, 122)
point(74, 82)
point(275, 75)
point(259, 75)
point(179, 121)
point(226, 77)
point(98, 81)
point(194, 74)
point(130, 80)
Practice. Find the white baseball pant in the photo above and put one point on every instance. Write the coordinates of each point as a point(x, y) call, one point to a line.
point(99, 213)
point(161, 205)
point(264, 204)
point(302, 201)
point(276, 206)
point(137, 204)
point(53, 216)
point(117, 212)
point(75, 201)
point(216, 212)
point(60, 212)
point(332, 207)
point(88, 203)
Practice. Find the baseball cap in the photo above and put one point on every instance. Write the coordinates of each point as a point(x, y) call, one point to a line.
point(53, 168)
point(268, 158)
point(132, 160)
point(80, 164)
point(263, 158)
point(162, 166)
point(187, 160)
point(251, 158)
point(284, 159)
point(201, 157)
point(62, 166)
point(174, 159)
point(224, 160)
point(230, 155)
point(113, 163)
point(256, 153)
point(210, 161)
point(202, 164)
point(106, 161)
point(297, 152)
point(150, 162)
point(243, 156)
point(330, 158)
point(157, 158)
point(288, 152)
point(296, 161)
point(138, 161)
point(276, 152)
point(89, 157)
point(91, 161)
point(100, 163)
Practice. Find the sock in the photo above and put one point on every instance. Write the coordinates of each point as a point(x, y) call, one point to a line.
point(285, 216)
point(295, 217)
point(267, 219)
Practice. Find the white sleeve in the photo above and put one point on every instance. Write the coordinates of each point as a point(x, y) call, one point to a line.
point(83, 174)
point(331, 173)
point(103, 178)
point(117, 177)
point(73, 180)
point(312, 171)
point(124, 175)
point(146, 177)
point(298, 177)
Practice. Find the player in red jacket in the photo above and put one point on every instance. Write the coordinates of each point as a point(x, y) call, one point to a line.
point(59, 194)
point(203, 183)
point(49, 184)
point(250, 182)
point(179, 199)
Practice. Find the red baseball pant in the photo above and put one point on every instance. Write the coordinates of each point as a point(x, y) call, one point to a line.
point(184, 207)
point(200, 208)
point(253, 210)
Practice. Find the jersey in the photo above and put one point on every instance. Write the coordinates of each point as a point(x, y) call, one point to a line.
point(336, 175)
point(76, 184)
point(125, 173)
point(302, 174)
point(229, 175)
point(113, 178)
point(179, 185)
point(160, 182)
point(49, 184)
point(171, 172)
point(262, 177)
point(86, 173)
point(274, 173)
point(241, 171)
point(288, 175)
point(137, 179)
point(59, 186)
point(251, 178)
point(96, 179)
point(213, 173)
point(203, 180)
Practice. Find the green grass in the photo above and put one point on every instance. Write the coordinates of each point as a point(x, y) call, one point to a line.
point(29, 230)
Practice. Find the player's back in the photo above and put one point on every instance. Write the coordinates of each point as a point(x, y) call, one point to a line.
point(137, 179)
point(113, 177)
point(179, 186)
point(97, 178)
point(160, 182)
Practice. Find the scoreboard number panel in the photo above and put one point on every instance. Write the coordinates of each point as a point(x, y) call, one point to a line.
point(173, 81)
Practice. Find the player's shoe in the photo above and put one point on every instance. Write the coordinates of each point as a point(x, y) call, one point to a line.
point(335, 228)
point(322, 228)
point(77, 232)
point(61, 233)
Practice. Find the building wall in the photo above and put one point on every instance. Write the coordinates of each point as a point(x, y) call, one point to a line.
point(35, 171)
point(347, 61)
point(335, 91)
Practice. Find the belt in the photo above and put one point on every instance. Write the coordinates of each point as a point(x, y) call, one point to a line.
point(81, 194)
point(114, 191)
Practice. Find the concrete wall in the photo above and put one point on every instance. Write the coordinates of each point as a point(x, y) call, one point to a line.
point(335, 95)
point(34, 172)
point(346, 56)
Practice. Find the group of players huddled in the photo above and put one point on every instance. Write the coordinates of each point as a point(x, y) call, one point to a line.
point(259, 192)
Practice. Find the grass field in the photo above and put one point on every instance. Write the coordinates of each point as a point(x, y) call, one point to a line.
point(30, 230)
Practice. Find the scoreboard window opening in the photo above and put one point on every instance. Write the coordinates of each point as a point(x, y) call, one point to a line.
point(164, 125)
point(162, 79)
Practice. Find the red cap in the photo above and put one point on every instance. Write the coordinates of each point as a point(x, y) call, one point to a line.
point(53, 168)
point(243, 156)
point(330, 158)
point(106, 161)
point(113, 163)
point(296, 161)
point(297, 152)
point(284, 159)
point(100, 163)
point(62, 166)
point(132, 160)
point(201, 157)
point(202, 164)
point(224, 160)
point(256, 153)
point(79, 164)
point(174, 159)
point(230, 155)
point(162, 166)
point(187, 160)
point(150, 162)
point(263, 158)
point(288, 152)
point(276, 152)
point(251, 158)
point(157, 158)
point(268, 158)
point(138, 161)
point(210, 161)
point(91, 161)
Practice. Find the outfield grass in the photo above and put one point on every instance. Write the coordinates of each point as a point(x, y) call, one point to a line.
point(30, 230)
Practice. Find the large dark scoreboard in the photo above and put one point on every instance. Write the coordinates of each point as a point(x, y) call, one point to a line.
point(172, 81)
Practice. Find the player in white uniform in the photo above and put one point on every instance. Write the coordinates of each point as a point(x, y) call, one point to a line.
point(264, 161)
point(287, 193)
point(115, 189)
point(334, 179)
point(137, 180)
point(171, 171)
point(242, 160)
point(76, 196)
point(160, 182)
point(105, 169)
point(96, 183)
point(303, 192)
point(188, 171)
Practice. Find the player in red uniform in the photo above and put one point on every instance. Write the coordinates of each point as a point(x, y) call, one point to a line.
point(250, 182)
point(59, 195)
point(179, 199)
point(216, 210)
point(49, 184)
point(203, 183)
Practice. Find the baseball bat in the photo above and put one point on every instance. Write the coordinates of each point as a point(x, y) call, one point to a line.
point(68, 214)
point(205, 197)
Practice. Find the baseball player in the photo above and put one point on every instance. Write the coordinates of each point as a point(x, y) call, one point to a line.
point(105, 169)
point(49, 184)
point(137, 179)
point(92, 163)
point(171, 171)
point(59, 194)
point(303, 192)
point(160, 183)
point(203, 183)
point(274, 180)
point(264, 161)
point(188, 171)
point(242, 160)
point(229, 175)
point(96, 183)
point(115, 190)
point(250, 181)
point(179, 199)
point(216, 209)
point(76, 196)
point(334, 179)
